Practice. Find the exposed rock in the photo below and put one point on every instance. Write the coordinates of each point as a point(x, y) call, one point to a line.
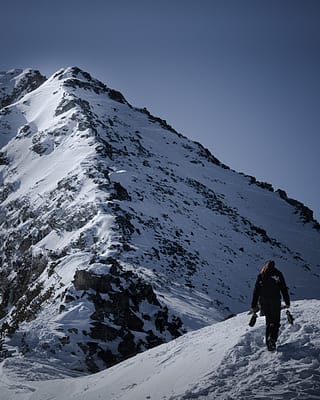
point(305, 212)
point(119, 316)
point(85, 280)
point(120, 192)
point(28, 81)
point(3, 159)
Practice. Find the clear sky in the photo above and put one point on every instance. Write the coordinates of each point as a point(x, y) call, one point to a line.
point(240, 76)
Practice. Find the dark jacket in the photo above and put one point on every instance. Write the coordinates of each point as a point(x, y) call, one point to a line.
point(269, 287)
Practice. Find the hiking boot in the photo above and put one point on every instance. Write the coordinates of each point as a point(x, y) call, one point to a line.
point(271, 344)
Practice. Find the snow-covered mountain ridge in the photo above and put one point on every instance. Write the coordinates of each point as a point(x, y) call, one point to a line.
point(118, 233)
point(227, 360)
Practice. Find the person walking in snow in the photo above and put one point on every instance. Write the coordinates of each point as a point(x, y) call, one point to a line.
point(269, 287)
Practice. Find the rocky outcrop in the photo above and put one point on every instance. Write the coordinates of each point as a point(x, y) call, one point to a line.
point(305, 212)
point(17, 83)
point(126, 310)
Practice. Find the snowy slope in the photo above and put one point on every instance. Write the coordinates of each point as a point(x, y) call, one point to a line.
point(14, 84)
point(227, 360)
point(118, 233)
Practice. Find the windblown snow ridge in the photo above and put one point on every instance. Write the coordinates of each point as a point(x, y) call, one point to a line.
point(227, 360)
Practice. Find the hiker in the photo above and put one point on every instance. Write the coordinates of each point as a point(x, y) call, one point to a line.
point(267, 292)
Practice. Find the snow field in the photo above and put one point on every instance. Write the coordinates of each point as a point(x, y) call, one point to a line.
point(227, 360)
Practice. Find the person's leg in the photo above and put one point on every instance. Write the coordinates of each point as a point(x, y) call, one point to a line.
point(274, 321)
point(272, 313)
point(266, 311)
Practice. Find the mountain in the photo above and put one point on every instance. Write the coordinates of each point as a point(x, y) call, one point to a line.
point(227, 360)
point(118, 233)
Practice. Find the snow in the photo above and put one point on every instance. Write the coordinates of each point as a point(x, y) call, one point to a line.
point(183, 208)
point(227, 360)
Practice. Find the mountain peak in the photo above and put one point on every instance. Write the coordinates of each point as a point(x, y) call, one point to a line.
point(77, 78)
point(72, 73)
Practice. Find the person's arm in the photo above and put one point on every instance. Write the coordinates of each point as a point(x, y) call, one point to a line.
point(256, 295)
point(284, 290)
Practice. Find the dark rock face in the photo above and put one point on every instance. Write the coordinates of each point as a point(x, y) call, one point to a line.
point(3, 159)
point(30, 81)
point(120, 193)
point(121, 316)
point(305, 212)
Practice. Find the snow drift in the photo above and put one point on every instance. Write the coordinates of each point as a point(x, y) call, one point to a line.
point(227, 360)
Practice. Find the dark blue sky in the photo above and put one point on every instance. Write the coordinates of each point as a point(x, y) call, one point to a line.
point(241, 77)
